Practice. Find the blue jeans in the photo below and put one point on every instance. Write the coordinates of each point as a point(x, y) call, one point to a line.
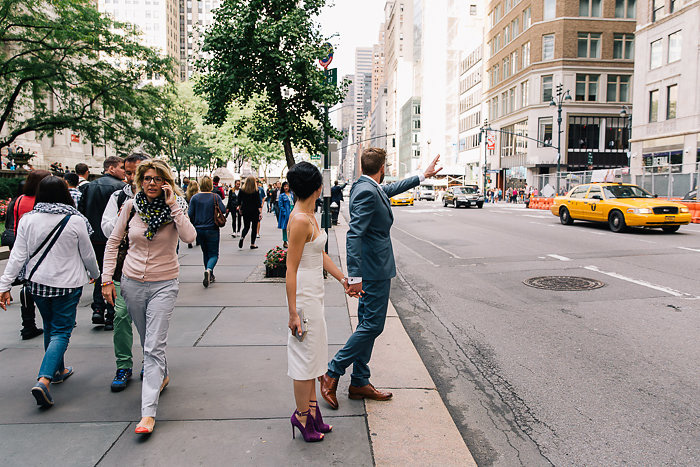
point(371, 314)
point(208, 239)
point(58, 314)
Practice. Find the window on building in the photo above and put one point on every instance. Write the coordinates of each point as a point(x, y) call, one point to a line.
point(589, 8)
point(584, 133)
point(625, 8)
point(506, 35)
point(589, 45)
point(547, 83)
point(515, 27)
point(657, 9)
point(526, 55)
point(548, 47)
point(514, 62)
point(527, 18)
point(550, 9)
point(616, 136)
point(654, 105)
point(506, 68)
point(496, 44)
point(524, 94)
point(511, 99)
point(416, 124)
point(496, 74)
point(618, 88)
point(545, 132)
point(672, 6)
point(623, 46)
point(505, 107)
point(671, 101)
point(587, 87)
point(655, 54)
point(674, 46)
point(472, 10)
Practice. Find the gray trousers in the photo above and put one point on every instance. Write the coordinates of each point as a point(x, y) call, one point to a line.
point(150, 305)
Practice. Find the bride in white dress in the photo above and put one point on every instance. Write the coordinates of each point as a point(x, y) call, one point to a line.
point(307, 346)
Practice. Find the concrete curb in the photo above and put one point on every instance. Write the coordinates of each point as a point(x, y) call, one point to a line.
point(414, 428)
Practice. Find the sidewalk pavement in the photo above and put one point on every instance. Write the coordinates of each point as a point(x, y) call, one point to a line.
point(229, 399)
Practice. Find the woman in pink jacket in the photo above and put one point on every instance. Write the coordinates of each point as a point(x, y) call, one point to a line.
point(153, 221)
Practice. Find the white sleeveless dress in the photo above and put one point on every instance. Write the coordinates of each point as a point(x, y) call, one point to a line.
point(309, 359)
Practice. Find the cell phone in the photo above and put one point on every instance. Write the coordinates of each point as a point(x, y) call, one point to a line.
point(304, 326)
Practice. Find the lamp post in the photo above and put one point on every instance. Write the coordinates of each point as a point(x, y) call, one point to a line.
point(557, 101)
point(626, 114)
point(484, 131)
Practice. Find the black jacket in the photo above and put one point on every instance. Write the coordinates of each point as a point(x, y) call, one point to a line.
point(232, 202)
point(94, 201)
point(337, 193)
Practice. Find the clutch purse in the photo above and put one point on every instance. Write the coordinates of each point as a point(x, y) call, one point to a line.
point(304, 325)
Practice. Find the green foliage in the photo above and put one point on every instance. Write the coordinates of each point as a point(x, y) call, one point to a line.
point(265, 52)
point(63, 65)
point(9, 187)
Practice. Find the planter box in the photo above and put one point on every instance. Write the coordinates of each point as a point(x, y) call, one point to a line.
point(280, 271)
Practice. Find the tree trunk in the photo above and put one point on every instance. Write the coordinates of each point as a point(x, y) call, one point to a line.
point(288, 153)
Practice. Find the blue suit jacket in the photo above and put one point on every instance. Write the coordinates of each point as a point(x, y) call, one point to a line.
point(369, 250)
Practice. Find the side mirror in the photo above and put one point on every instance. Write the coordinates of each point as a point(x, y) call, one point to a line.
point(656, 196)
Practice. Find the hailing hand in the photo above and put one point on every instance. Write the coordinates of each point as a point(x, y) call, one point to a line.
point(431, 171)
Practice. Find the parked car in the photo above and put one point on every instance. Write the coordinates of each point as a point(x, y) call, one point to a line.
point(467, 195)
point(619, 205)
point(426, 192)
point(402, 199)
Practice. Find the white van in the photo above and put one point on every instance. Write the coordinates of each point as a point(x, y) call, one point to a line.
point(426, 192)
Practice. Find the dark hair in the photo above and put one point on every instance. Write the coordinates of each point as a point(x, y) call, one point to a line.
point(81, 168)
point(33, 179)
point(71, 179)
point(53, 189)
point(112, 161)
point(372, 160)
point(304, 179)
point(216, 179)
point(135, 157)
point(282, 187)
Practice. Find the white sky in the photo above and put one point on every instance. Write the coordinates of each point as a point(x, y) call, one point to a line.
point(357, 23)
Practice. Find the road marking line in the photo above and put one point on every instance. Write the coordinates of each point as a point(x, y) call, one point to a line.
point(416, 253)
point(534, 215)
point(689, 249)
point(429, 242)
point(560, 258)
point(660, 288)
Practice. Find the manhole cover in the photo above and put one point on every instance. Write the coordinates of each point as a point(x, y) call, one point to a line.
point(563, 283)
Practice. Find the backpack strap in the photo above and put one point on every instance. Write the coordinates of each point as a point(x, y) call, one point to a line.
point(58, 229)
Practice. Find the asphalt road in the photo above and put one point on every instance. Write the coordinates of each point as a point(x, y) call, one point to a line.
point(536, 377)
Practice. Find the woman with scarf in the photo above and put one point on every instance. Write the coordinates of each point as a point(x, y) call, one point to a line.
point(52, 252)
point(285, 209)
point(153, 222)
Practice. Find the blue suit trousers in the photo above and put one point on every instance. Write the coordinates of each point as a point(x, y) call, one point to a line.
point(371, 314)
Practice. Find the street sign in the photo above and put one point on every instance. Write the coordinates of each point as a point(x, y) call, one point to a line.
point(315, 157)
point(331, 76)
point(491, 142)
point(325, 61)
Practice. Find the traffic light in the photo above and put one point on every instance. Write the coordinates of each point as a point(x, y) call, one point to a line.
point(590, 158)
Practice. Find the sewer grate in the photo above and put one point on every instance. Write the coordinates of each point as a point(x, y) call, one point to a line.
point(563, 283)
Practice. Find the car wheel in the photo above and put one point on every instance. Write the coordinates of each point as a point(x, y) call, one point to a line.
point(616, 221)
point(456, 205)
point(445, 203)
point(480, 205)
point(671, 228)
point(565, 217)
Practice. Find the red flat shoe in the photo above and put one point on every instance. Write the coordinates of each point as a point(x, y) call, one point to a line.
point(144, 430)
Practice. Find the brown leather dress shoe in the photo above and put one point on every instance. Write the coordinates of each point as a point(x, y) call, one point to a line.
point(368, 392)
point(329, 386)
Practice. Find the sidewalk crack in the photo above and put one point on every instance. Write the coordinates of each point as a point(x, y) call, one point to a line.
point(128, 424)
point(210, 325)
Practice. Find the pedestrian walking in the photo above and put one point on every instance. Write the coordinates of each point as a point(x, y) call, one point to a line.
point(233, 207)
point(261, 192)
point(83, 172)
point(72, 181)
point(192, 189)
point(202, 213)
point(307, 343)
point(216, 188)
point(123, 335)
point(371, 267)
point(152, 222)
point(251, 209)
point(92, 204)
point(285, 209)
point(337, 198)
point(16, 209)
point(52, 253)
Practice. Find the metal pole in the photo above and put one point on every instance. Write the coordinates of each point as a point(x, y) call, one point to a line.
point(558, 144)
point(326, 217)
point(485, 158)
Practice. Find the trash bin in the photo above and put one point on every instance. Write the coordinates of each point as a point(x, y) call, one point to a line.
point(335, 210)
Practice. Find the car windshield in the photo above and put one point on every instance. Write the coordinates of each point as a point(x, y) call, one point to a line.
point(465, 190)
point(625, 191)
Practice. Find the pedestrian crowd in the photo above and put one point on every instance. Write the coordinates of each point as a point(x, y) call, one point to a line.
point(128, 225)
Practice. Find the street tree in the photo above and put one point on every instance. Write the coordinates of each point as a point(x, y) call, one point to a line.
point(63, 65)
point(266, 52)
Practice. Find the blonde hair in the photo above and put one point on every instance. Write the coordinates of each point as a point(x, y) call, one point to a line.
point(205, 184)
point(163, 170)
point(250, 185)
point(192, 189)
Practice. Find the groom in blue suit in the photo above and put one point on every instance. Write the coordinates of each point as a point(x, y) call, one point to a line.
point(370, 269)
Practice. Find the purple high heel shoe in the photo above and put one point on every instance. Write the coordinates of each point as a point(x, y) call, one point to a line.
point(318, 419)
point(309, 432)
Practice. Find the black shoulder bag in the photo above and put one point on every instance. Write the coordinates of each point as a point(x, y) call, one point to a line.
point(123, 249)
point(53, 236)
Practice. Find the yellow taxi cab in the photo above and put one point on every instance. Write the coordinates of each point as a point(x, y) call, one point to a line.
point(619, 205)
point(402, 199)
